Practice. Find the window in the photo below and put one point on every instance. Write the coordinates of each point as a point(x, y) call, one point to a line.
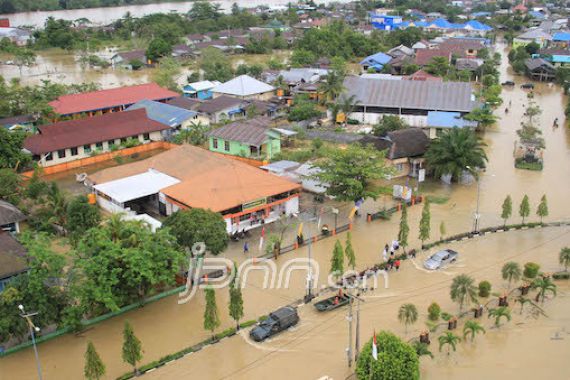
point(123, 140)
point(111, 143)
point(215, 143)
point(146, 137)
point(49, 156)
point(99, 145)
point(87, 148)
point(227, 146)
point(61, 153)
point(399, 167)
point(74, 151)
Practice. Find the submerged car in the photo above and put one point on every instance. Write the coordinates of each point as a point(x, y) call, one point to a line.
point(277, 321)
point(527, 86)
point(441, 259)
point(508, 83)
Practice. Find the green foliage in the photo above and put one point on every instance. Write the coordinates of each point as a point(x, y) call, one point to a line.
point(332, 85)
point(303, 109)
point(158, 48)
point(215, 65)
point(564, 258)
point(524, 208)
point(453, 151)
point(81, 216)
point(422, 349)
point(236, 300)
point(404, 227)
point(511, 271)
point(132, 350)
point(408, 314)
point(211, 317)
point(136, 64)
point(397, 360)
point(499, 313)
point(438, 66)
point(167, 73)
point(434, 310)
point(11, 144)
point(442, 230)
point(472, 328)
point(351, 172)
point(94, 368)
point(450, 340)
point(531, 270)
point(425, 222)
point(198, 225)
point(463, 290)
point(349, 252)
point(302, 57)
point(544, 285)
point(542, 210)
point(389, 123)
point(196, 134)
point(484, 289)
point(507, 209)
point(10, 186)
point(484, 116)
point(337, 260)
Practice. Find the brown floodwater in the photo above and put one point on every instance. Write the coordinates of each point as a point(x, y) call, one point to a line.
point(316, 347)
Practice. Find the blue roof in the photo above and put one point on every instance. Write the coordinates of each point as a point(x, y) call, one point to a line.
point(376, 59)
point(480, 14)
point(164, 113)
point(478, 25)
point(561, 36)
point(561, 58)
point(440, 119)
point(441, 23)
point(537, 14)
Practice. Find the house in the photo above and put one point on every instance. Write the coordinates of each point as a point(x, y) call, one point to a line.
point(561, 39)
point(540, 69)
point(452, 47)
point(251, 138)
point(375, 61)
point(190, 104)
point(438, 121)
point(10, 217)
point(127, 59)
point(175, 117)
point(223, 108)
point(246, 88)
point(404, 148)
point(532, 35)
point(409, 99)
point(385, 22)
point(17, 36)
point(111, 100)
point(191, 177)
point(195, 38)
point(201, 90)
point(71, 140)
point(468, 64)
point(422, 44)
point(558, 57)
point(18, 123)
point(422, 75)
point(13, 259)
point(182, 51)
point(401, 50)
point(296, 76)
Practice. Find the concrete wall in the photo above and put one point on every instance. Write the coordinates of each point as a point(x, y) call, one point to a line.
point(268, 150)
point(374, 118)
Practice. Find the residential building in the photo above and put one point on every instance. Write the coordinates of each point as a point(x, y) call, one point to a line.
point(561, 39)
point(71, 140)
point(532, 35)
point(17, 36)
point(246, 88)
point(126, 59)
point(10, 217)
point(558, 57)
point(540, 69)
point(13, 259)
point(111, 100)
point(18, 123)
point(200, 90)
point(375, 61)
point(190, 104)
point(409, 99)
point(182, 51)
point(250, 138)
point(438, 121)
point(170, 115)
point(422, 75)
point(404, 148)
point(385, 22)
point(191, 177)
point(223, 108)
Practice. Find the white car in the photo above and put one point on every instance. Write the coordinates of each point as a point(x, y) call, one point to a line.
point(441, 259)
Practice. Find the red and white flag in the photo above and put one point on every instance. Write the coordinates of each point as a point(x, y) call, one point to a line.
point(374, 348)
point(261, 238)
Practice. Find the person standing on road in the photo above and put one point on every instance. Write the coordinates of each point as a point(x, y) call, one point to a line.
point(385, 253)
point(397, 265)
point(245, 248)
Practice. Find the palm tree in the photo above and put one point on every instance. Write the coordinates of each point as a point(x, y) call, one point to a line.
point(511, 272)
point(463, 290)
point(523, 301)
point(332, 86)
point(472, 328)
point(564, 258)
point(544, 286)
point(422, 349)
point(56, 202)
point(454, 150)
point(408, 315)
point(438, 66)
point(449, 339)
point(500, 312)
point(345, 105)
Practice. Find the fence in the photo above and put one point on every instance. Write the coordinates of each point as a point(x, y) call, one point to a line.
point(249, 161)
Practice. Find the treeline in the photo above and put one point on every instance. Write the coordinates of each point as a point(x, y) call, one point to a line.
point(14, 6)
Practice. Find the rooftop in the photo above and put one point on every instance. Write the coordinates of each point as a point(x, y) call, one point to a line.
point(408, 142)
point(10, 214)
point(164, 113)
point(219, 104)
point(448, 120)
point(244, 85)
point(190, 104)
point(251, 132)
point(13, 256)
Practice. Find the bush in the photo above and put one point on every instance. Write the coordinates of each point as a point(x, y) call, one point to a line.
point(446, 316)
point(484, 289)
point(561, 276)
point(531, 270)
point(522, 164)
point(434, 311)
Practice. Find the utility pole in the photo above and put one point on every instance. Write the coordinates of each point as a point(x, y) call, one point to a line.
point(357, 340)
point(349, 318)
point(33, 329)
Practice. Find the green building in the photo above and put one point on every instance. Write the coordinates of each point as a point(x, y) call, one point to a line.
point(248, 138)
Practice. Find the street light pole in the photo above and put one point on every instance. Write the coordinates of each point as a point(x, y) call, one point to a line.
point(476, 220)
point(33, 329)
point(349, 318)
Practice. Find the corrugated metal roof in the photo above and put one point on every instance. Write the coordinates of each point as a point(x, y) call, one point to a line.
point(164, 113)
point(448, 120)
point(251, 132)
point(244, 85)
point(137, 186)
point(423, 95)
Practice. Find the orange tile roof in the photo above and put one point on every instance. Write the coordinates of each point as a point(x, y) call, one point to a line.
point(208, 180)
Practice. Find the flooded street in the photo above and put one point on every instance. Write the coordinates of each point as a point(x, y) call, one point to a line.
point(316, 347)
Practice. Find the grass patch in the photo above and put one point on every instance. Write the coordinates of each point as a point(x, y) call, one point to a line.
point(536, 166)
point(439, 200)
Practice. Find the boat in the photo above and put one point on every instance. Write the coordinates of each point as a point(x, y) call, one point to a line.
point(330, 304)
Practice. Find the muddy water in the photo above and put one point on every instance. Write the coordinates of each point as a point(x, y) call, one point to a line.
point(165, 326)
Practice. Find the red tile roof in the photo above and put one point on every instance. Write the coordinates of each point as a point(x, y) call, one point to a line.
point(422, 75)
point(114, 97)
point(424, 56)
point(74, 133)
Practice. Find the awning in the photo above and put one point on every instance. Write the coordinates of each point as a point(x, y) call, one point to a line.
point(285, 132)
point(136, 186)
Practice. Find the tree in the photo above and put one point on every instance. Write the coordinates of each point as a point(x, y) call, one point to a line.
point(472, 328)
point(408, 315)
point(167, 73)
point(211, 318)
point(483, 116)
point(24, 57)
point(349, 252)
point(438, 66)
point(81, 216)
point(196, 134)
point(404, 227)
point(524, 208)
point(511, 271)
point(442, 230)
point(215, 65)
point(10, 185)
point(158, 48)
point(303, 109)
point(397, 360)
point(337, 260)
point(132, 350)
point(564, 258)
point(389, 123)
point(448, 339)
point(197, 225)
point(507, 209)
point(463, 290)
point(236, 301)
point(542, 209)
point(345, 104)
point(454, 150)
point(531, 270)
point(484, 289)
point(11, 144)
point(332, 86)
point(434, 310)
point(301, 57)
point(500, 312)
point(350, 173)
point(425, 222)
point(544, 285)
point(94, 367)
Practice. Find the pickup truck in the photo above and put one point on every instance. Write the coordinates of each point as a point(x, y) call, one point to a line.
point(277, 321)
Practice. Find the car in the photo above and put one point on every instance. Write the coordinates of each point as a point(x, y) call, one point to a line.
point(527, 86)
point(441, 259)
point(276, 322)
point(508, 83)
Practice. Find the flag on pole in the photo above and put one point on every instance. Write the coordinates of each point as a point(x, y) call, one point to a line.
point(374, 348)
point(352, 212)
point(261, 238)
point(300, 230)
